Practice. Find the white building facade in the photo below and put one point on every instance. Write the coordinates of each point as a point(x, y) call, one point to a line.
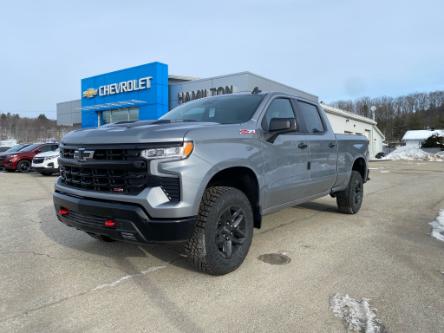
point(350, 123)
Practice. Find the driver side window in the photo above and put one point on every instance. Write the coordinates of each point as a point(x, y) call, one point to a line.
point(278, 108)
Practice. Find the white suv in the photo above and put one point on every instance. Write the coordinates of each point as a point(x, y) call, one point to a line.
point(46, 163)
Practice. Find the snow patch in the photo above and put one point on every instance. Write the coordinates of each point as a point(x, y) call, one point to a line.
point(438, 226)
point(127, 277)
point(358, 316)
point(414, 154)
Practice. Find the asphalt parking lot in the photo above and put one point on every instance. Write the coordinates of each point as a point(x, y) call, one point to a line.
point(57, 279)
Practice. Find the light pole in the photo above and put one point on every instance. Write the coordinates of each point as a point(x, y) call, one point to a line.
point(373, 110)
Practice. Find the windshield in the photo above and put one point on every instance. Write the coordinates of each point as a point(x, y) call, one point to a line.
point(228, 109)
point(15, 148)
point(30, 147)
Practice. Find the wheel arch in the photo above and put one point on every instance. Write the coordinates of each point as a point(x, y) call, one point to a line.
point(244, 179)
point(360, 165)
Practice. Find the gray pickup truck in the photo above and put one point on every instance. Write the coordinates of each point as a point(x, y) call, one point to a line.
point(206, 172)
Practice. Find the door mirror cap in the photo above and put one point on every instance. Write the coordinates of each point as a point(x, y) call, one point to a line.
point(282, 124)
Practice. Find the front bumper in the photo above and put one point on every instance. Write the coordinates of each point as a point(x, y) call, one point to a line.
point(10, 164)
point(132, 222)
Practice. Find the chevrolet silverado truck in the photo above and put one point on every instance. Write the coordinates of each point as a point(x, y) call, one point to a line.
point(206, 173)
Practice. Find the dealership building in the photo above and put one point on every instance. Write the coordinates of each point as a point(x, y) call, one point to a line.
point(148, 91)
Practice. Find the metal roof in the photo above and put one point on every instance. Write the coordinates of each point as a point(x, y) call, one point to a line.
point(421, 134)
point(347, 114)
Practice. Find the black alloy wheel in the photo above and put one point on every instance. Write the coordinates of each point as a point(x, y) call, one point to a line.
point(231, 231)
point(358, 192)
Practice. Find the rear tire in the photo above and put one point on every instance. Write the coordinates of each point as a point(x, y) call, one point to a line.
point(350, 200)
point(101, 238)
point(223, 233)
point(24, 166)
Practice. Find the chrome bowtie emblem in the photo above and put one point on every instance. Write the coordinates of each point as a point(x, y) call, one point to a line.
point(82, 154)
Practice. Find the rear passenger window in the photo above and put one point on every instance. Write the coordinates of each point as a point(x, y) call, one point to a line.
point(311, 116)
point(279, 108)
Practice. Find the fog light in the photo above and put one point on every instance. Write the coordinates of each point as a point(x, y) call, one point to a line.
point(63, 211)
point(110, 223)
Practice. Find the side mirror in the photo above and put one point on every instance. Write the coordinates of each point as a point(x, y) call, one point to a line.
point(282, 124)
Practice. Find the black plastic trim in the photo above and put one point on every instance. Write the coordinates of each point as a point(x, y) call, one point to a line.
point(131, 218)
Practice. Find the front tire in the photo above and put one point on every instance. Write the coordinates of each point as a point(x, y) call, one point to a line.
point(24, 166)
point(350, 200)
point(223, 233)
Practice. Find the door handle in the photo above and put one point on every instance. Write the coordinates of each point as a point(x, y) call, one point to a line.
point(331, 145)
point(302, 145)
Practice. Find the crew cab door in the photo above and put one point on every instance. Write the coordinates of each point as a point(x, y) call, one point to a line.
point(323, 148)
point(285, 157)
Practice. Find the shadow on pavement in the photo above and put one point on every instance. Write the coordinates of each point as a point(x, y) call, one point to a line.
point(119, 252)
point(70, 237)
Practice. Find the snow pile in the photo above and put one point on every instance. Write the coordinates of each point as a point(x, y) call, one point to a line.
point(414, 154)
point(357, 315)
point(438, 226)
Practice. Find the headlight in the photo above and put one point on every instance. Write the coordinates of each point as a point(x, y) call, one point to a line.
point(47, 158)
point(169, 152)
point(12, 156)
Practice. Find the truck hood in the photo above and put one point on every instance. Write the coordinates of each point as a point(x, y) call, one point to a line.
point(134, 132)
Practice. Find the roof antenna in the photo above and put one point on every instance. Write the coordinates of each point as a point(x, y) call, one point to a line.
point(256, 91)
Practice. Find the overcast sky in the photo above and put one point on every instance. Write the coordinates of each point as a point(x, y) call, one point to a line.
point(334, 49)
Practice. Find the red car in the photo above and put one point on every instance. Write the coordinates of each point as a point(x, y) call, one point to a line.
point(22, 159)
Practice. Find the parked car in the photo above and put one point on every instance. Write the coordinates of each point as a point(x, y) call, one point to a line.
point(22, 159)
point(380, 155)
point(10, 151)
point(46, 163)
point(2, 149)
point(206, 172)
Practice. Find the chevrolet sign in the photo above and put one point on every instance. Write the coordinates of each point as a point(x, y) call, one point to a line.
point(118, 88)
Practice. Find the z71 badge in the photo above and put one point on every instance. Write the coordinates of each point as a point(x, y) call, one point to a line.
point(245, 131)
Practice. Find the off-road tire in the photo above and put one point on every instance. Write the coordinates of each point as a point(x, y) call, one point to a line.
point(350, 200)
point(203, 248)
point(102, 238)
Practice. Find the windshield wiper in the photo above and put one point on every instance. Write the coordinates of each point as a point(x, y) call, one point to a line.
point(161, 121)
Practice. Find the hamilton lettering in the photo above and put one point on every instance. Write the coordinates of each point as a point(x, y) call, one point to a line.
point(125, 86)
point(186, 96)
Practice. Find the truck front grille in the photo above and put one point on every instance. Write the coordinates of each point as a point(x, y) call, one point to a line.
point(104, 179)
point(120, 171)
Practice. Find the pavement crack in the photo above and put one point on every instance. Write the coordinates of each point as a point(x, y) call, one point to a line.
point(95, 289)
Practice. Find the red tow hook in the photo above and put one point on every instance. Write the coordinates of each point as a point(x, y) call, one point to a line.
point(63, 211)
point(110, 223)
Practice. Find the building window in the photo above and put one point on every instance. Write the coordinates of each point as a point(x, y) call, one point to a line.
point(114, 116)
